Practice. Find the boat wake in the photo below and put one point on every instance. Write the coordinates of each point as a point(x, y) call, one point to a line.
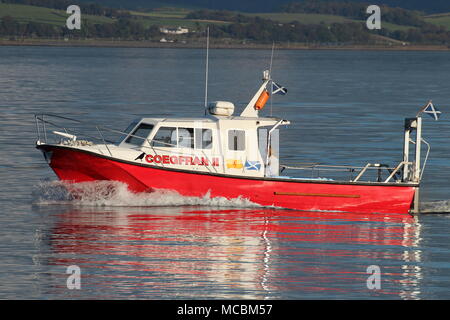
point(116, 194)
point(435, 207)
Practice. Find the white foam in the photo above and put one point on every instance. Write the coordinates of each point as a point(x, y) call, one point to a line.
point(116, 194)
point(435, 207)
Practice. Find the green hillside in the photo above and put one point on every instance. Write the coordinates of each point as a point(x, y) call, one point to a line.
point(25, 13)
point(313, 27)
point(442, 19)
point(432, 6)
point(302, 17)
point(312, 18)
point(170, 13)
point(176, 17)
point(171, 17)
point(164, 16)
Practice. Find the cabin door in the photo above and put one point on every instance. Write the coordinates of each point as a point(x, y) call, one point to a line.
point(269, 148)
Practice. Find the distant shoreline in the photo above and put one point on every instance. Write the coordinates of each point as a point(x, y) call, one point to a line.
point(196, 45)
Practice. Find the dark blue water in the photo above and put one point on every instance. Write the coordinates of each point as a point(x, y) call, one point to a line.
point(346, 107)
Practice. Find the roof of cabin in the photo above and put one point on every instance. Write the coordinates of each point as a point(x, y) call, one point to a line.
point(210, 119)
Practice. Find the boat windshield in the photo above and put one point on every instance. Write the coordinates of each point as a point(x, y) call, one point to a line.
point(130, 127)
point(140, 134)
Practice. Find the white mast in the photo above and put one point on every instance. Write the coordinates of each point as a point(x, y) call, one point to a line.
point(270, 73)
point(207, 67)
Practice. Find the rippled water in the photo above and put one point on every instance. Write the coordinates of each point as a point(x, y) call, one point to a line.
point(345, 108)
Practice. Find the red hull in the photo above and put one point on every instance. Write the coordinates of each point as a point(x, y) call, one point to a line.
point(81, 166)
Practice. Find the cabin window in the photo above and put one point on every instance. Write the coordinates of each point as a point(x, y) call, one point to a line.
point(165, 137)
point(203, 138)
point(140, 134)
point(186, 138)
point(236, 140)
point(127, 131)
point(130, 127)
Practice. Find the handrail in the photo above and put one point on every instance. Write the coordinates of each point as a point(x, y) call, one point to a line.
point(351, 169)
point(394, 172)
point(369, 165)
point(269, 141)
point(426, 157)
point(37, 128)
point(334, 167)
point(60, 127)
point(98, 127)
point(83, 122)
point(40, 117)
point(104, 142)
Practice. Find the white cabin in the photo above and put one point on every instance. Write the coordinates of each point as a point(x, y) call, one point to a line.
point(245, 145)
point(232, 145)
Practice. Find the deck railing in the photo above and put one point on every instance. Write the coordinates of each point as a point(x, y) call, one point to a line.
point(355, 173)
point(44, 124)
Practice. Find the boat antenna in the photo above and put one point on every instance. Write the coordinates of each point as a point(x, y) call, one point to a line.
point(270, 75)
point(207, 67)
point(271, 57)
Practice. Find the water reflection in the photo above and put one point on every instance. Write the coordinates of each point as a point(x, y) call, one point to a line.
point(195, 252)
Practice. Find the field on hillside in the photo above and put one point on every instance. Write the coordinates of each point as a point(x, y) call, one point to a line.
point(176, 22)
point(310, 18)
point(25, 13)
point(161, 17)
point(442, 19)
point(171, 13)
point(176, 17)
point(305, 18)
point(173, 17)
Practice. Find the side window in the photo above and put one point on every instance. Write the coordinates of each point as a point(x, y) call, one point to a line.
point(236, 140)
point(203, 138)
point(142, 132)
point(165, 137)
point(186, 138)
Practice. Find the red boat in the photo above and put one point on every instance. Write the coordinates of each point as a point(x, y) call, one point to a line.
point(221, 155)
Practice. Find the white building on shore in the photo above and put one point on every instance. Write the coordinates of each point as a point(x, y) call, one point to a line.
point(179, 30)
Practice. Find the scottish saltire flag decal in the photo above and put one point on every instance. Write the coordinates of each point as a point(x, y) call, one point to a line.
point(432, 111)
point(252, 165)
point(277, 89)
